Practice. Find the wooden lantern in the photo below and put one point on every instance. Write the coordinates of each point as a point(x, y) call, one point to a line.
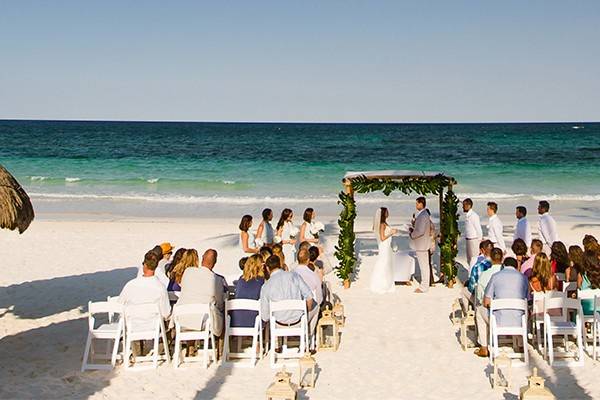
point(306, 371)
point(282, 388)
point(536, 390)
point(327, 332)
point(502, 371)
point(338, 313)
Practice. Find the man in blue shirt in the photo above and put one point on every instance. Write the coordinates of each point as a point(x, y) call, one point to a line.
point(505, 284)
point(483, 263)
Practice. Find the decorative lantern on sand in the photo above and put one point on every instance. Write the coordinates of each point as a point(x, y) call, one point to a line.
point(502, 371)
point(536, 390)
point(282, 388)
point(327, 332)
point(338, 313)
point(306, 371)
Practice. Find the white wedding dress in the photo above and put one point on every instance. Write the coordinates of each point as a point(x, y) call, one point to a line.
point(382, 279)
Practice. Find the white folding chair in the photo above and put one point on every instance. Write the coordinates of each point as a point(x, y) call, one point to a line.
point(563, 326)
point(537, 315)
point(278, 330)
point(200, 313)
point(144, 322)
point(569, 287)
point(113, 330)
point(593, 319)
point(255, 332)
point(173, 295)
point(514, 331)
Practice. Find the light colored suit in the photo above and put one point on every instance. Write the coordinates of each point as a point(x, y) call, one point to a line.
point(421, 243)
point(473, 235)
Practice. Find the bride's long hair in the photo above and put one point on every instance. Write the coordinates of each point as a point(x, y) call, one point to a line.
point(380, 218)
point(384, 215)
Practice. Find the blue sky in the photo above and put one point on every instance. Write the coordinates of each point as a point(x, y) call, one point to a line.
point(381, 61)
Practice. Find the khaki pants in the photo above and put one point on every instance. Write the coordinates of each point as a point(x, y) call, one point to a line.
point(423, 259)
point(482, 320)
point(467, 298)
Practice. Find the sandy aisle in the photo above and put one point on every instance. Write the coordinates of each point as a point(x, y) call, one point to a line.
point(397, 346)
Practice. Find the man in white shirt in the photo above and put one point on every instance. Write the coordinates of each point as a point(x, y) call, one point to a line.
point(473, 231)
point(495, 227)
point(146, 289)
point(546, 226)
point(522, 229)
point(163, 253)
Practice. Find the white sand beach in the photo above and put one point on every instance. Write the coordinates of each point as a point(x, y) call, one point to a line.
point(396, 346)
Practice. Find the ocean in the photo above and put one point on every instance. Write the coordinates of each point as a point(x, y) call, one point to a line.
point(156, 166)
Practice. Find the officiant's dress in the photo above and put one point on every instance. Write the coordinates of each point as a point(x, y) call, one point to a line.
point(382, 279)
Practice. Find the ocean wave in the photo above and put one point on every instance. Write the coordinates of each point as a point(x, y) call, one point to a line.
point(250, 200)
point(229, 182)
point(152, 180)
point(70, 180)
point(38, 178)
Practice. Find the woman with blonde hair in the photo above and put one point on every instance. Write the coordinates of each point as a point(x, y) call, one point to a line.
point(278, 251)
point(248, 287)
point(189, 258)
point(542, 279)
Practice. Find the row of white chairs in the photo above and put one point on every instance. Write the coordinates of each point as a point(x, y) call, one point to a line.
point(554, 314)
point(144, 323)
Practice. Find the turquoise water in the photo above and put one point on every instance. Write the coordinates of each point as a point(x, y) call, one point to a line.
point(227, 162)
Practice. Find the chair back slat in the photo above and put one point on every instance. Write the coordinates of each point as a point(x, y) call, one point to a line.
point(105, 307)
point(288, 305)
point(190, 309)
point(588, 293)
point(243, 304)
point(508, 304)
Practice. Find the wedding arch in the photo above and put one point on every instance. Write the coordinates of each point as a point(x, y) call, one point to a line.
point(408, 182)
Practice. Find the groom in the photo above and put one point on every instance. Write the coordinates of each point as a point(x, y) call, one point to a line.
point(420, 235)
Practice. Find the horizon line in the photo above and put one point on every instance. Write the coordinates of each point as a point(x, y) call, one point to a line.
point(298, 122)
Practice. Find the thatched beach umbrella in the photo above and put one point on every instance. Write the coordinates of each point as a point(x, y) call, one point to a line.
point(16, 211)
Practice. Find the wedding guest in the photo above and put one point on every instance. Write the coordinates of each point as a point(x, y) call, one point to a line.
point(242, 263)
point(591, 279)
point(306, 228)
point(522, 229)
point(507, 283)
point(574, 272)
point(559, 257)
point(265, 233)
point(542, 279)
point(496, 256)
point(247, 239)
point(495, 227)
point(146, 289)
point(287, 232)
point(189, 259)
point(420, 242)
point(590, 243)
point(265, 252)
point(162, 258)
point(278, 251)
point(284, 285)
point(520, 249)
point(310, 277)
point(248, 287)
point(203, 286)
point(546, 226)
point(176, 258)
point(314, 263)
point(483, 263)
point(473, 232)
point(535, 249)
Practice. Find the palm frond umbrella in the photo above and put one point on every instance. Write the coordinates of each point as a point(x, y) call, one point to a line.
point(16, 211)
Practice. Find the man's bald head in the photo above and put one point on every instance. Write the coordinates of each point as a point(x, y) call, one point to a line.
point(209, 258)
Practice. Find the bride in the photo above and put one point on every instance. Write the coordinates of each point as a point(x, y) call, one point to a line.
point(382, 279)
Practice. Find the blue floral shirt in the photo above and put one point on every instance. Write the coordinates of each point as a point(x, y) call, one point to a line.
point(476, 271)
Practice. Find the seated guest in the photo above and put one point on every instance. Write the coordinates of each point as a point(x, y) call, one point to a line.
point(496, 255)
point(146, 289)
point(483, 263)
point(265, 252)
point(536, 248)
point(203, 286)
point(313, 260)
point(176, 258)
point(284, 285)
point(242, 263)
point(591, 279)
point(304, 245)
point(189, 259)
point(559, 259)
point(507, 283)
point(575, 271)
point(278, 251)
point(542, 279)
point(310, 277)
point(248, 287)
point(162, 261)
point(519, 247)
point(591, 244)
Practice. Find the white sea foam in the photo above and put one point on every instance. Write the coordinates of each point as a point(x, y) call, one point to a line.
point(38, 178)
point(152, 180)
point(229, 182)
point(72, 179)
point(249, 200)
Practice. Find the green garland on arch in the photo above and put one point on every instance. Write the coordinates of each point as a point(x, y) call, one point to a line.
point(345, 252)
